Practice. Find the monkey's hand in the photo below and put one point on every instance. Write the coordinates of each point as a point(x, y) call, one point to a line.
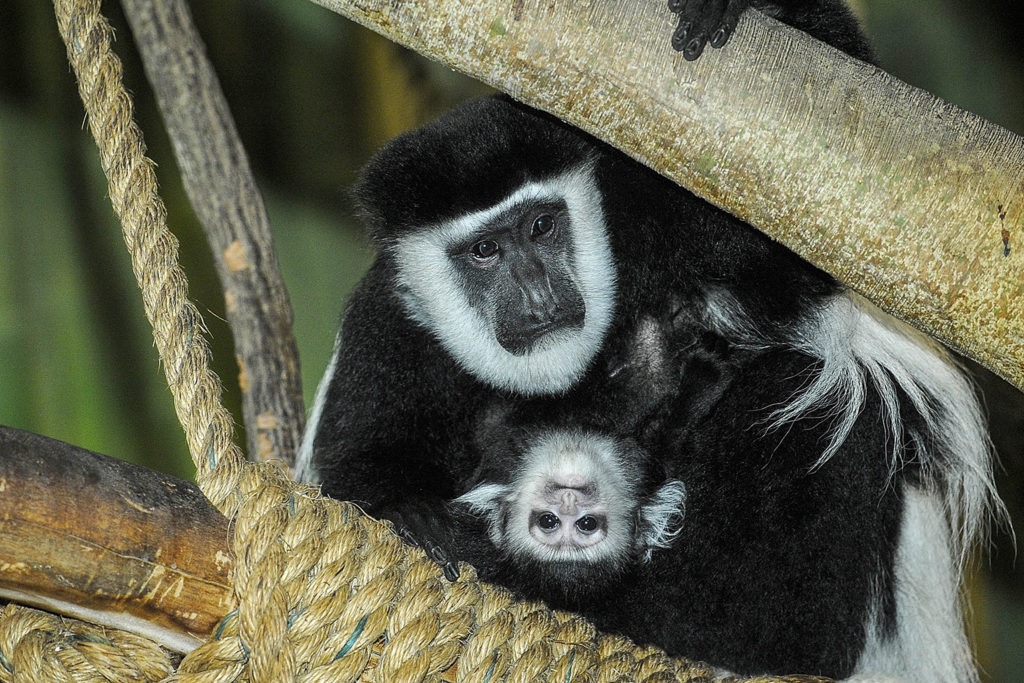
point(703, 22)
point(427, 524)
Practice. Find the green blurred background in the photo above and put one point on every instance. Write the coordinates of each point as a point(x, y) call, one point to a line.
point(313, 95)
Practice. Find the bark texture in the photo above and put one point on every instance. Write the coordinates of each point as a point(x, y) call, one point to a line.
point(110, 542)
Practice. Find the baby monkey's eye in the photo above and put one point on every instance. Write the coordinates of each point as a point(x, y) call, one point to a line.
point(548, 521)
point(587, 524)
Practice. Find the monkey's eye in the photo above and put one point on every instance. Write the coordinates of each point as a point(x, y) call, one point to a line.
point(485, 249)
point(542, 225)
point(548, 521)
point(587, 524)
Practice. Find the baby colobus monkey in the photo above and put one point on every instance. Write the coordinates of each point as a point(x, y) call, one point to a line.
point(568, 512)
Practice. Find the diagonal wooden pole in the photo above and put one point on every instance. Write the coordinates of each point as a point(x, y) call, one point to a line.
point(222, 189)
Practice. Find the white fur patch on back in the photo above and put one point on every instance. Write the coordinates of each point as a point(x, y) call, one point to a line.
point(304, 469)
point(726, 316)
point(435, 298)
point(929, 644)
point(857, 344)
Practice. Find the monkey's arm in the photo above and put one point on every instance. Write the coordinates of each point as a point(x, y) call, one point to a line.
point(388, 416)
point(392, 423)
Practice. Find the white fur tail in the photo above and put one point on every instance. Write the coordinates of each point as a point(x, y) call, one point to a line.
point(856, 344)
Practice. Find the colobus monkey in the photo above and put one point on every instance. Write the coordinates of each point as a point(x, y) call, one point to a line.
point(511, 246)
point(835, 462)
point(569, 513)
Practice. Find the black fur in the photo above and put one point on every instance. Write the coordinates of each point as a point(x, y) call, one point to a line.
point(777, 564)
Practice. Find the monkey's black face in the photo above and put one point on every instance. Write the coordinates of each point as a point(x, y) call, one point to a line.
point(518, 275)
point(520, 293)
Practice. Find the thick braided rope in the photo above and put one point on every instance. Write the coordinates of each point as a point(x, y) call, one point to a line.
point(324, 593)
point(177, 326)
point(328, 594)
point(36, 646)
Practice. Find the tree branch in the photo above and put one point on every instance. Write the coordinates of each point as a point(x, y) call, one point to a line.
point(908, 199)
point(217, 178)
point(109, 542)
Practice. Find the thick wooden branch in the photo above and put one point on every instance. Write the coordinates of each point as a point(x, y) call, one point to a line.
point(913, 202)
point(216, 175)
point(109, 542)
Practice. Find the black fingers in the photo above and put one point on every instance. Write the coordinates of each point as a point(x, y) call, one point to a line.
point(440, 557)
point(407, 536)
point(434, 551)
point(422, 525)
point(704, 22)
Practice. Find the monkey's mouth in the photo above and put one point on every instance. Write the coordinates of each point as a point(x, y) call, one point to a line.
point(569, 551)
point(539, 337)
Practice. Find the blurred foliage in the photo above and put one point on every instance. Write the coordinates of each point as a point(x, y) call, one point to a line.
point(313, 96)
